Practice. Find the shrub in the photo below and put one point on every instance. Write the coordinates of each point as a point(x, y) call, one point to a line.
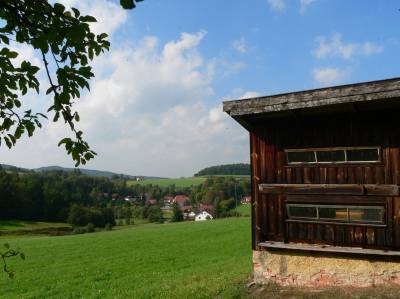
point(108, 227)
point(155, 214)
point(177, 214)
point(79, 230)
point(82, 216)
point(90, 228)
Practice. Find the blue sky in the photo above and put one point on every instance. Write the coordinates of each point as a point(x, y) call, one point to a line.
point(155, 105)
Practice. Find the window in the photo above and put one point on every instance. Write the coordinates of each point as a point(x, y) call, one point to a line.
point(341, 213)
point(334, 155)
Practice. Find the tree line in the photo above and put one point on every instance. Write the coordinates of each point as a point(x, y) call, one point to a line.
point(228, 169)
point(81, 199)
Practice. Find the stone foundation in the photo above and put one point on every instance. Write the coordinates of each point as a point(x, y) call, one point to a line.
point(290, 268)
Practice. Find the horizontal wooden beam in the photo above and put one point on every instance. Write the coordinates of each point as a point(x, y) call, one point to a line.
point(327, 248)
point(353, 93)
point(330, 189)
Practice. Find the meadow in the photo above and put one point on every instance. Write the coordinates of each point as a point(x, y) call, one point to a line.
point(182, 260)
point(180, 182)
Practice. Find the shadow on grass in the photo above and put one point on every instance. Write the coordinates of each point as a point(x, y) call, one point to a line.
point(9, 224)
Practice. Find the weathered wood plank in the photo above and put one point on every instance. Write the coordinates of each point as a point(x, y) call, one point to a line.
point(369, 91)
point(328, 248)
point(343, 189)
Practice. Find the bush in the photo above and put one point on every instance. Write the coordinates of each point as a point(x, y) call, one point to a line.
point(90, 228)
point(120, 222)
point(155, 214)
point(177, 214)
point(79, 230)
point(108, 227)
point(82, 216)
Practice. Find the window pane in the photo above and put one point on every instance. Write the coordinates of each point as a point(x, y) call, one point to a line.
point(330, 156)
point(363, 155)
point(366, 214)
point(332, 213)
point(302, 211)
point(298, 157)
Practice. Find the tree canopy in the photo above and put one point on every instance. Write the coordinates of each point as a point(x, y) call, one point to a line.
point(67, 46)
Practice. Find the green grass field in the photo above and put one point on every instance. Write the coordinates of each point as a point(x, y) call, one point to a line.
point(183, 260)
point(244, 210)
point(28, 225)
point(180, 182)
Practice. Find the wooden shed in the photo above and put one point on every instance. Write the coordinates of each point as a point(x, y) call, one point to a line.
point(325, 172)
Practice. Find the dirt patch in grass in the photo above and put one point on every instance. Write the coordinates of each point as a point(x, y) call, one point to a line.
point(277, 292)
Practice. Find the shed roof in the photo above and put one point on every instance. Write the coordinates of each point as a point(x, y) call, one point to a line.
point(388, 89)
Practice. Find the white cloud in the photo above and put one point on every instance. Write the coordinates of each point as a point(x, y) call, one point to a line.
point(222, 68)
point(150, 111)
point(335, 47)
point(250, 94)
point(304, 4)
point(240, 45)
point(329, 75)
point(370, 48)
point(277, 5)
point(110, 15)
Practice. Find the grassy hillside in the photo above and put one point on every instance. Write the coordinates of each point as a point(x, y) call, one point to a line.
point(183, 260)
point(181, 182)
point(28, 225)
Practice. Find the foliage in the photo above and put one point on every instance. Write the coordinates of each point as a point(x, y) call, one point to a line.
point(221, 192)
point(177, 214)
point(178, 260)
point(173, 184)
point(67, 46)
point(9, 253)
point(154, 214)
point(90, 227)
point(90, 216)
point(50, 196)
point(228, 169)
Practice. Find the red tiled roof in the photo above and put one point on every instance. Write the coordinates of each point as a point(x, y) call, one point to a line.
point(152, 201)
point(181, 198)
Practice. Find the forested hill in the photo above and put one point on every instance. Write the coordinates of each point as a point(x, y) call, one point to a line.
point(227, 169)
point(89, 172)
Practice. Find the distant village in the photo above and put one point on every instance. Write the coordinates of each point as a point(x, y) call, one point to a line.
point(190, 211)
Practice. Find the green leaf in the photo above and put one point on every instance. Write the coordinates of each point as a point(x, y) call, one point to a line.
point(59, 7)
point(22, 256)
point(8, 142)
point(127, 4)
point(64, 140)
point(76, 12)
point(87, 19)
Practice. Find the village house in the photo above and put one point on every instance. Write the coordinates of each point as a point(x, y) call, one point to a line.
point(245, 200)
point(325, 174)
point(210, 209)
point(151, 202)
point(168, 200)
point(181, 200)
point(202, 216)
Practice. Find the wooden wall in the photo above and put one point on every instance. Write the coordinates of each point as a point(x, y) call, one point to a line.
point(269, 139)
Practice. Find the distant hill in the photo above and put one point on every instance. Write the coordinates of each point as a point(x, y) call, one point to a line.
point(12, 167)
point(227, 169)
point(89, 172)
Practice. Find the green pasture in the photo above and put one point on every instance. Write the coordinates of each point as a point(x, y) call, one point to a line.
point(28, 225)
point(180, 182)
point(180, 260)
